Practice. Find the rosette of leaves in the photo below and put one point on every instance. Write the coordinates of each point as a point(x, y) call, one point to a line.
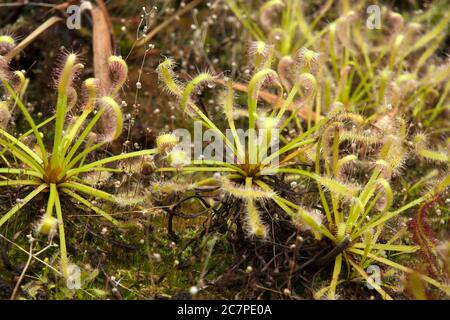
point(353, 213)
point(57, 171)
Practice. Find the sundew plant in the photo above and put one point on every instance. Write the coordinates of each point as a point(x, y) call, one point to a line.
point(353, 214)
point(59, 173)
